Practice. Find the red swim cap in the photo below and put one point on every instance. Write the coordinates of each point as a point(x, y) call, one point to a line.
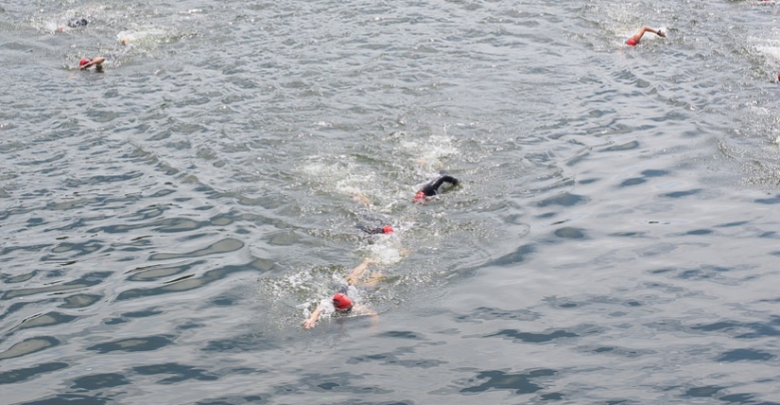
point(420, 197)
point(84, 62)
point(631, 41)
point(387, 229)
point(342, 302)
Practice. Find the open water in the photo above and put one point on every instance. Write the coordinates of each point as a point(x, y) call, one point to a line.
point(166, 225)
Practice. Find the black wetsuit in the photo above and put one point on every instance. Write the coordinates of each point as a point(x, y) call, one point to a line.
point(371, 222)
point(375, 231)
point(77, 22)
point(438, 185)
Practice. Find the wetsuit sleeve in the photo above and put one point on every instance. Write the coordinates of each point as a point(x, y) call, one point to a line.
point(370, 231)
point(432, 188)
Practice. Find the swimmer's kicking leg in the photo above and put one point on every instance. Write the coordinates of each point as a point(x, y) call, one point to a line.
point(357, 272)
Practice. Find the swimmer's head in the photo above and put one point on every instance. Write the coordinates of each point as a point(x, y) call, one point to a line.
point(387, 229)
point(342, 303)
point(84, 62)
point(419, 197)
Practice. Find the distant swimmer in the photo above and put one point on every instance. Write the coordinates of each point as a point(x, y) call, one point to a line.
point(387, 229)
point(367, 216)
point(74, 23)
point(87, 63)
point(634, 40)
point(341, 303)
point(435, 187)
point(77, 22)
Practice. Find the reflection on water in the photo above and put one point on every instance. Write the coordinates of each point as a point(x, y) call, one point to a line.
point(167, 224)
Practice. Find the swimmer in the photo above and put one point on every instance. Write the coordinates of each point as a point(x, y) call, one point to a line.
point(387, 229)
point(368, 216)
point(74, 23)
point(87, 63)
point(634, 40)
point(77, 22)
point(435, 187)
point(343, 304)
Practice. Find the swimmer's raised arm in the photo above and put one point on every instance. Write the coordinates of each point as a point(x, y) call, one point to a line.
point(434, 187)
point(312, 321)
point(638, 36)
point(88, 63)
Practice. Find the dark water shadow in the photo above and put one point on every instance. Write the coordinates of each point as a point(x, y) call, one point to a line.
point(250, 342)
point(140, 344)
point(708, 391)
point(177, 373)
point(516, 257)
point(768, 201)
point(87, 280)
point(189, 283)
point(619, 351)
point(563, 200)
point(99, 381)
point(338, 383)
point(528, 337)
point(745, 355)
point(519, 383)
point(744, 399)
point(236, 400)
point(737, 329)
point(681, 194)
point(491, 314)
point(24, 374)
point(76, 399)
point(646, 175)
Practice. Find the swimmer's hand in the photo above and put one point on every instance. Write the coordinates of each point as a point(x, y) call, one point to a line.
point(661, 33)
point(312, 321)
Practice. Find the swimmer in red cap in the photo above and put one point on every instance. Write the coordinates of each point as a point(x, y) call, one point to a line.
point(638, 36)
point(434, 187)
point(340, 303)
point(387, 229)
point(87, 63)
point(368, 216)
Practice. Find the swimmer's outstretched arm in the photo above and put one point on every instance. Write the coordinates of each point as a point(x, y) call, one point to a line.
point(312, 321)
point(98, 61)
point(638, 36)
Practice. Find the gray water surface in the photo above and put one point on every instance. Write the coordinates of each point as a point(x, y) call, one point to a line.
point(167, 224)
